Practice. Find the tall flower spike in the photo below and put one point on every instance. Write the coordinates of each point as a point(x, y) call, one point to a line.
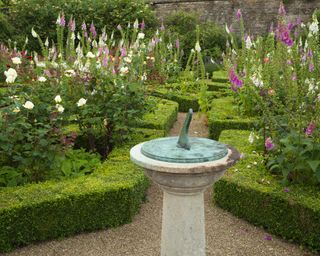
point(282, 10)
point(239, 14)
point(142, 25)
point(72, 25)
point(136, 24)
point(93, 30)
point(84, 26)
point(62, 21)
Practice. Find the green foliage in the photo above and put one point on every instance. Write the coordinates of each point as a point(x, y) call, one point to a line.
point(75, 163)
point(249, 191)
point(42, 15)
point(225, 115)
point(30, 135)
point(297, 159)
point(276, 78)
point(162, 116)
point(107, 198)
point(187, 100)
point(38, 212)
point(7, 29)
point(212, 37)
point(220, 76)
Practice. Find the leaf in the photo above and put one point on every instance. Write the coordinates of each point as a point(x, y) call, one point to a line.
point(66, 168)
point(314, 164)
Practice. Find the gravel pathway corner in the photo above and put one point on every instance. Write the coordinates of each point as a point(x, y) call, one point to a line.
point(226, 234)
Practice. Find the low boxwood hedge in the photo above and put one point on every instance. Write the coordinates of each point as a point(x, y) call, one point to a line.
point(219, 86)
point(220, 76)
point(162, 117)
point(224, 115)
point(185, 100)
point(109, 197)
point(249, 191)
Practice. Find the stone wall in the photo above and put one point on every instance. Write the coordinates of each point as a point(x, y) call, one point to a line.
point(258, 14)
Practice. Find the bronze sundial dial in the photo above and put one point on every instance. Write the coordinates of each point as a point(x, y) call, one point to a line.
point(184, 149)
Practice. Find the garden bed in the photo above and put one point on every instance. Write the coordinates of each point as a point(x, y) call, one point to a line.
point(224, 115)
point(249, 191)
point(109, 197)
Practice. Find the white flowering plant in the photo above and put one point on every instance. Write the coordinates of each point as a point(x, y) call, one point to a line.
point(31, 132)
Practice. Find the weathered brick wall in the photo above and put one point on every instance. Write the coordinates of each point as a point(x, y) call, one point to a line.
point(258, 14)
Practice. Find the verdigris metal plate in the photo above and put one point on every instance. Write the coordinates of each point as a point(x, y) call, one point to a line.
point(167, 150)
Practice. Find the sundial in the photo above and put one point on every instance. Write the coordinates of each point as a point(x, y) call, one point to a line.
point(183, 167)
point(184, 149)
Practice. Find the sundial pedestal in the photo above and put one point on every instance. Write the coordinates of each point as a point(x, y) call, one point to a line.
point(183, 167)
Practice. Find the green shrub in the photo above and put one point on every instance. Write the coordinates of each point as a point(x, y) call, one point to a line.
point(212, 37)
point(109, 197)
point(224, 115)
point(49, 210)
point(7, 29)
point(162, 116)
point(42, 14)
point(220, 76)
point(185, 100)
point(249, 191)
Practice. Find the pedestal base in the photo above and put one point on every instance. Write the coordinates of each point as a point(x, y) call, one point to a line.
point(183, 228)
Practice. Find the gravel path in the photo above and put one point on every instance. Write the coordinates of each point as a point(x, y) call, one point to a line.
point(226, 234)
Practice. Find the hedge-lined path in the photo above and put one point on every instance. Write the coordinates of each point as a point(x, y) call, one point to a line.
point(226, 234)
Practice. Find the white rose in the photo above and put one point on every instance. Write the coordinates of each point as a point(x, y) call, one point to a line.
point(81, 102)
point(16, 60)
point(16, 110)
point(141, 36)
point(11, 75)
point(60, 108)
point(90, 55)
point(28, 105)
point(57, 99)
point(42, 79)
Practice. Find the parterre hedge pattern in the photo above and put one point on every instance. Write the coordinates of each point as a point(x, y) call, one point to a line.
point(249, 191)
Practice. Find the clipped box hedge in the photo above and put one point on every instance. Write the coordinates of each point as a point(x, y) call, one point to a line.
point(109, 197)
point(224, 115)
point(162, 117)
point(249, 191)
point(220, 76)
point(185, 100)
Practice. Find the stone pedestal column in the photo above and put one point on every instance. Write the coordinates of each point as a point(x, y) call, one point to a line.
point(183, 230)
